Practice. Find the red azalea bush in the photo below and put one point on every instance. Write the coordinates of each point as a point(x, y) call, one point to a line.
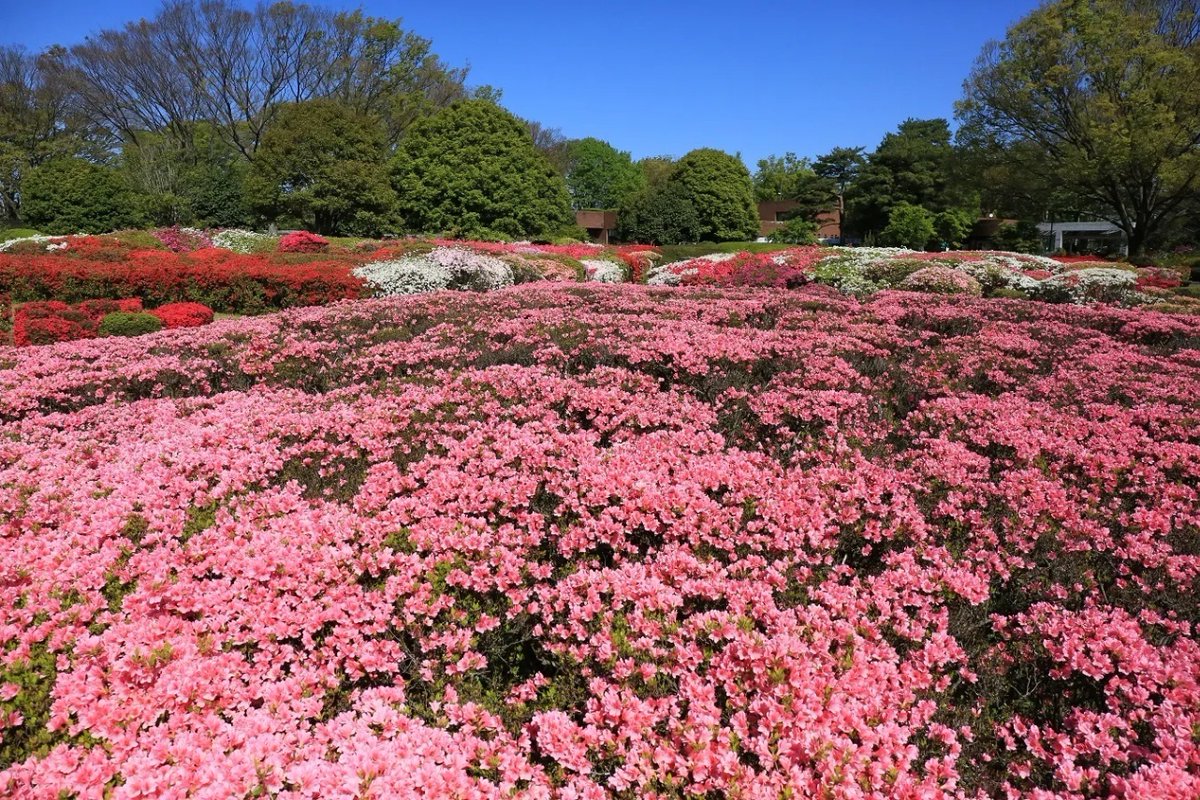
point(569, 541)
point(219, 279)
point(183, 315)
point(52, 321)
point(97, 308)
point(1158, 278)
point(302, 242)
point(781, 268)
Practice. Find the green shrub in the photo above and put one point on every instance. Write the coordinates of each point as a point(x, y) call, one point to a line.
point(796, 230)
point(139, 240)
point(70, 195)
point(908, 226)
point(16, 233)
point(129, 323)
point(1190, 290)
point(891, 271)
point(1009, 294)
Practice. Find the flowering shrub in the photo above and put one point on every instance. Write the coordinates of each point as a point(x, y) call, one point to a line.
point(784, 269)
point(99, 307)
point(219, 279)
point(182, 240)
point(183, 315)
point(603, 270)
point(35, 243)
point(1082, 284)
point(941, 280)
point(241, 241)
point(607, 541)
point(51, 321)
point(440, 268)
point(302, 242)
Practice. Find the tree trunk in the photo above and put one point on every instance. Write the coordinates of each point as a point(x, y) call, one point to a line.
point(1137, 242)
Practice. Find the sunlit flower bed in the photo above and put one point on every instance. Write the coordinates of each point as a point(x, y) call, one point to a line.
point(864, 270)
point(581, 541)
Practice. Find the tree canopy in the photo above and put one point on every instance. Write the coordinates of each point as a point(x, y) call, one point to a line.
point(1101, 97)
point(911, 165)
point(71, 195)
point(720, 189)
point(320, 166)
point(600, 176)
point(472, 169)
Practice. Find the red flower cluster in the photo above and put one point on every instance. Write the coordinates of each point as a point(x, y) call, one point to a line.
point(55, 321)
point(783, 268)
point(219, 279)
point(303, 242)
point(46, 322)
point(1158, 278)
point(183, 315)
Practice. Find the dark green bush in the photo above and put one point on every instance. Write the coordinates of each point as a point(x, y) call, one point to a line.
point(1010, 294)
point(129, 323)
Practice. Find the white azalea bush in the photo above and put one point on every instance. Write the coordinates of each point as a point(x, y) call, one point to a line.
point(242, 241)
point(440, 268)
point(48, 243)
point(601, 270)
point(1093, 284)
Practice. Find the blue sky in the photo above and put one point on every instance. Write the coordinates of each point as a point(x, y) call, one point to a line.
point(664, 77)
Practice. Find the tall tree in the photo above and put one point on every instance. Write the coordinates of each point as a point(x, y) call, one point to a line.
point(719, 187)
point(319, 165)
point(912, 165)
point(552, 144)
point(657, 169)
point(36, 121)
point(215, 61)
point(601, 176)
point(1105, 91)
point(841, 167)
point(790, 178)
point(472, 169)
point(659, 214)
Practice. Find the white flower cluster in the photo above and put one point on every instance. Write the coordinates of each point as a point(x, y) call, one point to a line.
point(1094, 283)
point(49, 241)
point(603, 271)
point(239, 241)
point(441, 268)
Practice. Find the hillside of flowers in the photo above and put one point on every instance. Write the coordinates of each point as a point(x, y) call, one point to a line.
point(243, 272)
point(565, 540)
point(864, 270)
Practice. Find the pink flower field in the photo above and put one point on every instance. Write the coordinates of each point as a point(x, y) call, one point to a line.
point(591, 541)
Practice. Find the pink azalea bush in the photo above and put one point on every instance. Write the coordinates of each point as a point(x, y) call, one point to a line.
point(302, 242)
point(580, 541)
point(941, 280)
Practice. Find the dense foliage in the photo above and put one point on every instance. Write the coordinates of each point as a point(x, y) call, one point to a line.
point(70, 195)
point(319, 167)
point(719, 187)
point(472, 170)
point(660, 214)
point(607, 542)
point(1098, 99)
point(600, 176)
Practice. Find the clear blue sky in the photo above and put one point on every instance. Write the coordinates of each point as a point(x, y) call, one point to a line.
point(664, 77)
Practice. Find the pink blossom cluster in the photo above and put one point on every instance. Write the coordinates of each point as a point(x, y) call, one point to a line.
point(584, 541)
